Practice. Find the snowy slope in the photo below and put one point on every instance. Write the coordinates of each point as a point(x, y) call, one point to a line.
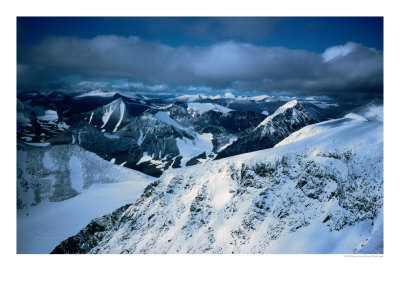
point(57, 173)
point(312, 130)
point(319, 194)
point(61, 188)
point(110, 117)
point(49, 223)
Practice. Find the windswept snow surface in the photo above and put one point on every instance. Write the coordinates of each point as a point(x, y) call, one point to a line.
point(191, 148)
point(200, 108)
point(61, 188)
point(315, 129)
point(355, 117)
point(49, 223)
point(320, 194)
point(164, 117)
point(373, 113)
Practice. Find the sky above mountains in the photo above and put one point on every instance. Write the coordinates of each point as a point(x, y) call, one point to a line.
point(336, 57)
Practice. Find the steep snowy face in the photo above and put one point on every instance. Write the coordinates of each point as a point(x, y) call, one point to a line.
point(58, 173)
point(109, 118)
point(286, 119)
point(320, 194)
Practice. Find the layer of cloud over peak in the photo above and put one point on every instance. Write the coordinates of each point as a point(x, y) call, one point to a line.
point(350, 69)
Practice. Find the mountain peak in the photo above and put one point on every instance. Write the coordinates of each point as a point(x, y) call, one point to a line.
point(290, 104)
point(115, 102)
point(288, 118)
point(281, 110)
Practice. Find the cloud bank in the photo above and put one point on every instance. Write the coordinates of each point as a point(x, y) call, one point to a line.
point(348, 70)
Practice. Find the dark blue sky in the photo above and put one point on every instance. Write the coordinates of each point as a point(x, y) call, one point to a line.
point(309, 33)
point(328, 56)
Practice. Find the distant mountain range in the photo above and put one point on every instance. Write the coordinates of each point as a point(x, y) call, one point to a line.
point(152, 135)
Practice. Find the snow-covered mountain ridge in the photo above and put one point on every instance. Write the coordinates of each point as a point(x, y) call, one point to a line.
point(287, 119)
point(319, 194)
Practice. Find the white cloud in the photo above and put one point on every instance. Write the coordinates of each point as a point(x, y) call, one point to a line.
point(334, 52)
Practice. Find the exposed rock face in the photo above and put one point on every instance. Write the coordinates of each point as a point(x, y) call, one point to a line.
point(287, 119)
point(28, 128)
point(111, 116)
point(35, 123)
point(158, 139)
